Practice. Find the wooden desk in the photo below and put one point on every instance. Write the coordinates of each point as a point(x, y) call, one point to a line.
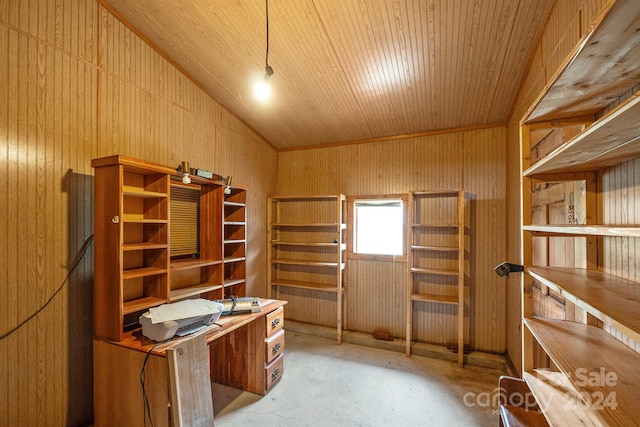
point(245, 352)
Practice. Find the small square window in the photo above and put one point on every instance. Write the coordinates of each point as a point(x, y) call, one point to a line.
point(378, 225)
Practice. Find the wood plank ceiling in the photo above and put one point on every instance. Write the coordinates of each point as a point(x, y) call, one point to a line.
point(349, 70)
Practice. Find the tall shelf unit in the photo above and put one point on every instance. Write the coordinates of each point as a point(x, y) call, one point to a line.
point(599, 84)
point(134, 266)
point(436, 256)
point(234, 241)
point(307, 246)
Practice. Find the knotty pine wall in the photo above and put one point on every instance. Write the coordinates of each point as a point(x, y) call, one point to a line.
point(77, 84)
point(568, 22)
point(377, 290)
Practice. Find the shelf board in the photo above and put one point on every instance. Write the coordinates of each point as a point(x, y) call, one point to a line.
point(234, 223)
point(439, 271)
point(435, 248)
point(611, 140)
point(128, 190)
point(178, 294)
point(593, 364)
point(143, 246)
point(437, 193)
point(585, 230)
point(134, 273)
point(233, 282)
point(611, 299)
point(605, 61)
point(305, 285)
point(443, 299)
point(140, 304)
point(140, 220)
point(436, 226)
point(233, 242)
point(311, 244)
point(304, 262)
point(235, 259)
point(515, 416)
point(238, 204)
point(546, 386)
point(309, 225)
point(189, 264)
point(310, 198)
point(131, 164)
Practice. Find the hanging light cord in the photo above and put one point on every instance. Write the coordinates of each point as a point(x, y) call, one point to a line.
point(266, 60)
point(268, 69)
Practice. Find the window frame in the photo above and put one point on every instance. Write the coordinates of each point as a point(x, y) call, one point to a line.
point(351, 200)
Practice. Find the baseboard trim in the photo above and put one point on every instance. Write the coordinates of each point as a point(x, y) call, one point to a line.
point(475, 358)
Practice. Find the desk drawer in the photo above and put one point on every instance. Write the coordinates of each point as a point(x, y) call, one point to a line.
point(274, 346)
point(274, 371)
point(275, 321)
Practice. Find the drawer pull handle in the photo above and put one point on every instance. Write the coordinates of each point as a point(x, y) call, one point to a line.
point(276, 348)
point(275, 322)
point(275, 373)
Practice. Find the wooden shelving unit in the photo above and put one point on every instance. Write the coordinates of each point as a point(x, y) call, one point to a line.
point(579, 352)
point(598, 82)
point(135, 268)
point(436, 249)
point(308, 234)
point(234, 243)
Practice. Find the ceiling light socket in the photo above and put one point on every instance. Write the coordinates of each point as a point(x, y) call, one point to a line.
point(268, 72)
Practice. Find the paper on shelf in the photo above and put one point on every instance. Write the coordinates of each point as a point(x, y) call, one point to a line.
point(182, 310)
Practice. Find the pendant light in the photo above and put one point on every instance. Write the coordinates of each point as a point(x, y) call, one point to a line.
point(263, 88)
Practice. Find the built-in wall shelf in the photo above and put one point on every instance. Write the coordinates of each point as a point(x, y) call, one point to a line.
point(611, 140)
point(584, 230)
point(436, 256)
point(584, 123)
point(597, 379)
point(604, 64)
point(307, 248)
point(609, 298)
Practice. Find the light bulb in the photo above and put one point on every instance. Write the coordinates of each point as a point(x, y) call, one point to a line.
point(262, 90)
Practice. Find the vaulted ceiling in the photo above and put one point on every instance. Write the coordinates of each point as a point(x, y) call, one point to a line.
point(349, 70)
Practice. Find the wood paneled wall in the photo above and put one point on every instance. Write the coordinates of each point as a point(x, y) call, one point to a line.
point(567, 23)
point(77, 84)
point(473, 160)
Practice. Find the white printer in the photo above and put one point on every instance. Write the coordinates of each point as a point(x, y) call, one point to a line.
point(179, 318)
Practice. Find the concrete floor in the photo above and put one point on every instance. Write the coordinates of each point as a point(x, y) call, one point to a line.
point(326, 384)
